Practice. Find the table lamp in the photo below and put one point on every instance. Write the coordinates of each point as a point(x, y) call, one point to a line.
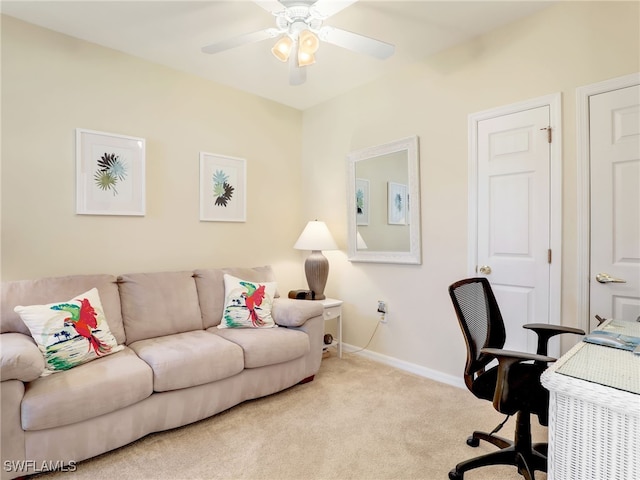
point(316, 237)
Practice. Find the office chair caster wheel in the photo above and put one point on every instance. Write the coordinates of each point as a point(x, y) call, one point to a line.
point(473, 442)
point(455, 475)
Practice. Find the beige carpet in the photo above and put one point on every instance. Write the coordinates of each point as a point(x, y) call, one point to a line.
point(357, 420)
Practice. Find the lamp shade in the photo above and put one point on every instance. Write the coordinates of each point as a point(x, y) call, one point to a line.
point(315, 236)
point(309, 41)
point(305, 59)
point(308, 44)
point(282, 49)
point(360, 243)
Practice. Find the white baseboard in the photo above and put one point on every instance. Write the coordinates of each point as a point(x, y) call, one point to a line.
point(406, 366)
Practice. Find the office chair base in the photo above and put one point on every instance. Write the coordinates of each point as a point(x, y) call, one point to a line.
point(527, 462)
point(474, 440)
point(541, 448)
point(521, 453)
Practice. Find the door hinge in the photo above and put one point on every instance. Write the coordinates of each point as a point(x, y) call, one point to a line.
point(549, 256)
point(549, 134)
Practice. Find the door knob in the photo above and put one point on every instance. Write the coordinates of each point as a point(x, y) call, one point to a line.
point(606, 278)
point(485, 269)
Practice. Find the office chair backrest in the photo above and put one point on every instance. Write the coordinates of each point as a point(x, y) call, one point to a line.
point(480, 320)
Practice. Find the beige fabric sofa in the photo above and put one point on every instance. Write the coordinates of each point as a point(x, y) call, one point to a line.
point(176, 367)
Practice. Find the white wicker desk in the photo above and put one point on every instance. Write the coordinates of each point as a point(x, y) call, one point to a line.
point(594, 412)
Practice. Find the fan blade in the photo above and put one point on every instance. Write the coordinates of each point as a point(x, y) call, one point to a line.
point(356, 42)
point(270, 5)
point(297, 74)
point(327, 8)
point(241, 40)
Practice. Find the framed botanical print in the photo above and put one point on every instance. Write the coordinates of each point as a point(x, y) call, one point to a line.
point(110, 173)
point(223, 188)
point(397, 204)
point(362, 201)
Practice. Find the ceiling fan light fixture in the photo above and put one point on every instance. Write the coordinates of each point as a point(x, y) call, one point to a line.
point(298, 32)
point(282, 48)
point(309, 41)
point(308, 44)
point(305, 59)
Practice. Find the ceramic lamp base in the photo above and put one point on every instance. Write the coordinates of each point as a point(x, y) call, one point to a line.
point(316, 268)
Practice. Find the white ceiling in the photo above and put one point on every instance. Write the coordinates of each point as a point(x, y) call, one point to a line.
point(172, 33)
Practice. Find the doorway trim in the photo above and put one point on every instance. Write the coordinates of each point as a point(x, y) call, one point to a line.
point(584, 191)
point(554, 101)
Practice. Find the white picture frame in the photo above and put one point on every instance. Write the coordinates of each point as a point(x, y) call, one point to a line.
point(397, 204)
point(362, 201)
point(223, 188)
point(110, 174)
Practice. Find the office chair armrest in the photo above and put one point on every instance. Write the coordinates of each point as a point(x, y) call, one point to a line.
point(545, 331)
point(502, 400)
point(510, 357)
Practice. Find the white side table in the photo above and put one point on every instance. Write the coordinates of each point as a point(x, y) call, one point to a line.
point(594, 411)
point(333, 309)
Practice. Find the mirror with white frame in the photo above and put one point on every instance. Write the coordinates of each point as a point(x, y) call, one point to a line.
point(384, 203)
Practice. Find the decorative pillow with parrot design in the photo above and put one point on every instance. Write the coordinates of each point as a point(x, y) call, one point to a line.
point(70, 333)
point(247, 304)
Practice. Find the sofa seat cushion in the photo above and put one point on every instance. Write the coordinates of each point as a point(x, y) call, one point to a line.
point(188, 359)
point(266, 346)
point(95, 388)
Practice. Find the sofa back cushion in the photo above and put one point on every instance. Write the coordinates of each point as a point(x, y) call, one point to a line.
point(53, 289)
point(157, 304)
point(210, 284)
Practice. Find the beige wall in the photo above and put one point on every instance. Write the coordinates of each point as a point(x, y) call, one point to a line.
point(52, 84)
point(559, 49)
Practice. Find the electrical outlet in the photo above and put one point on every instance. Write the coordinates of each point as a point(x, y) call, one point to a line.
point(382, 310)
point(382, 306)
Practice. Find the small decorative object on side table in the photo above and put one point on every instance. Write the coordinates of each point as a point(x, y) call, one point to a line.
point(333, 309)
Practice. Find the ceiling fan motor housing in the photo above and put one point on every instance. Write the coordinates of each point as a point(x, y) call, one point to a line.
point(296, 18)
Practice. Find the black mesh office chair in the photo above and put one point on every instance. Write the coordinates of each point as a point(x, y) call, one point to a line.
point(513, 384)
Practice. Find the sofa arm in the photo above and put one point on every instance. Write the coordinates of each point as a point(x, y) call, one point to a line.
point(287, 312)
point(12, 437)
point(20, 358)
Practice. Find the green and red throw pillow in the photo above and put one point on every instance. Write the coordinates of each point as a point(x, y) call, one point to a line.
point(70, 333)
point(247, 304)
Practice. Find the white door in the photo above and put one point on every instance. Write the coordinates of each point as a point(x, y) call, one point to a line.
point(513, 218)
point(614, 130)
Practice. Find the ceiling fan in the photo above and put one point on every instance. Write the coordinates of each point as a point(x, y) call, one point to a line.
point(299, 28)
